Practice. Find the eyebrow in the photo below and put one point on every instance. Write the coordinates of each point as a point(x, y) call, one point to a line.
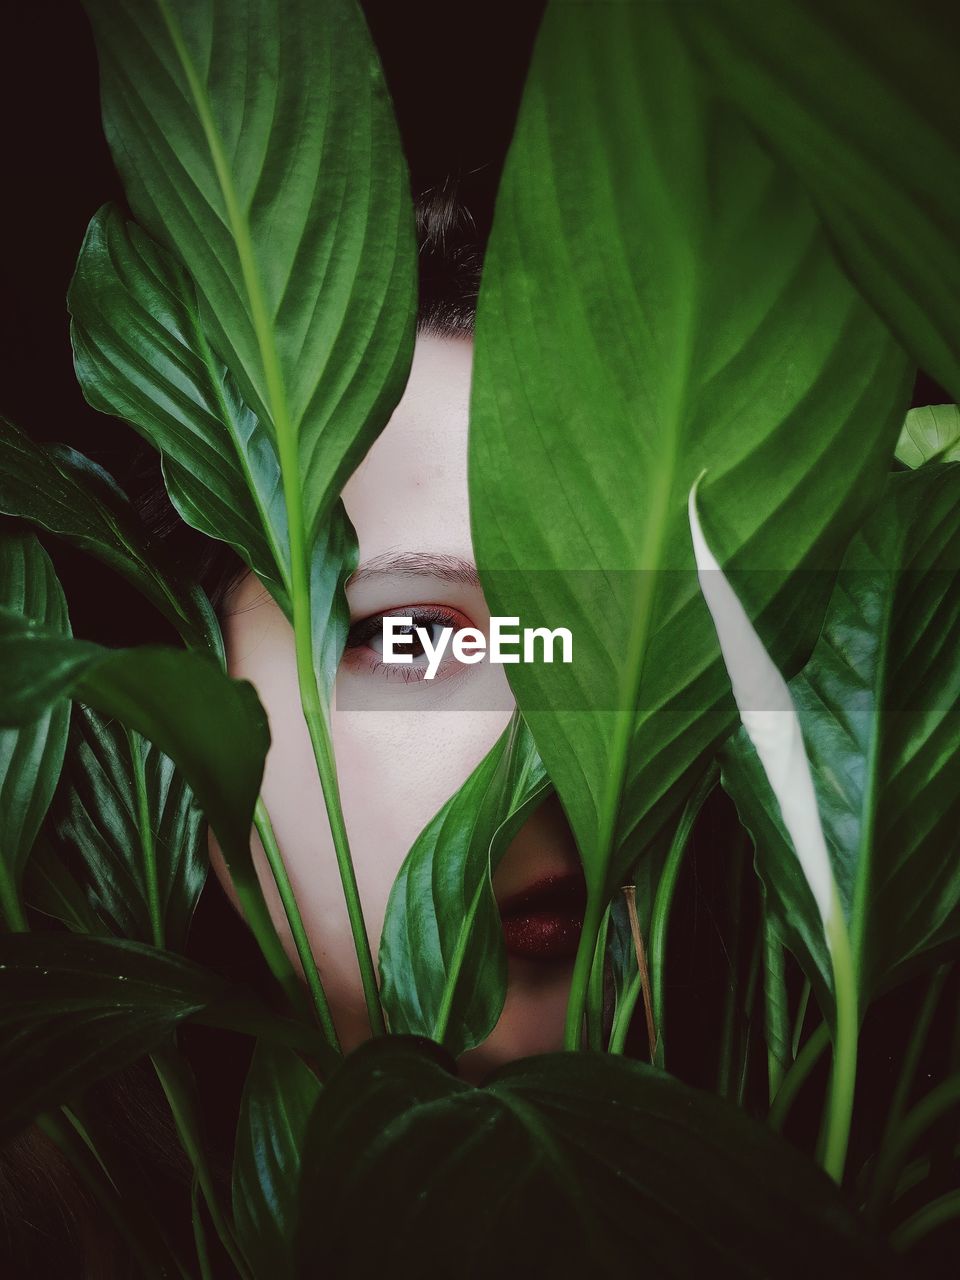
point(418, 564)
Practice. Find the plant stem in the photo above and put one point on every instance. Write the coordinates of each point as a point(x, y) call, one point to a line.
point(326, 767)
point(596, 985)
point(775, 1006)
point(199, 1233)
point(728, 1036)
point(581, 972)
point(796, 1077)
point(177, 1085)
point(915, 1047)
point(800, 1019)
point(623, 1016)
point(941, 1100)
point(147, 842)
point(944, 1209)
point(295, 920)
point(843, 1077)
point(663, 899)
point(630, 893)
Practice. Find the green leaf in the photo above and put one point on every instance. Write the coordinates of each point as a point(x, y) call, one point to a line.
point(565, 1164)
point(278, 1099)
point(658, 299)
point(443, 964)
point(74, 1010)
point(99, 816)
point(31, 755)
point(140, 353)
point(930, 434)
point(877, 704)
point(60, 490)
point(257, 143)
point(860, 100)
point(212, 727)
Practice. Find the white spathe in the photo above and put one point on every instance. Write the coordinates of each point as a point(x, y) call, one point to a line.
point(769, 717)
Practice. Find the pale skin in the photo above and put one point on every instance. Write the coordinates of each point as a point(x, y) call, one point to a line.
point(404, 753)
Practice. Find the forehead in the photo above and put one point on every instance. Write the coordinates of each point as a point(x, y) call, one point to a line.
point(410, 491)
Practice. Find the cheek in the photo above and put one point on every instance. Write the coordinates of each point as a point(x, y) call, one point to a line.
point(396, 770)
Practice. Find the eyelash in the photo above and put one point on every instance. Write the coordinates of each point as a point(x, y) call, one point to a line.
point(362, 631)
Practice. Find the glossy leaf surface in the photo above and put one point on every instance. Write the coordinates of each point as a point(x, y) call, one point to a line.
point(65, 493)
point(141, 353)
point(214, 728)
point(31, 754)
point(74, 1010)
point(443, 964)
point(930, 434)
point(99, 816)
point(278, 1100)
point(568, 1164)
point(256, 141)
point(878, 706)
point(658, 299)
point(859, 98)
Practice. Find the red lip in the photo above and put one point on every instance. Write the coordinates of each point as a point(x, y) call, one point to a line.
point(543, 921)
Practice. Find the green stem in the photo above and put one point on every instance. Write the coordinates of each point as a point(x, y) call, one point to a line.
point(594, 1009)
point(288, 450)
point(623, 1015)
point(775, 1006)
point(731, 1008)
point(326, 767)
point(796, 1077)
point(935, 1214)
point(843, 1077)
point(800, 1019)
point(177, 1085)
point(659, 920)
point(915, 1047)
point(749, 1001)
point(586, 949)
point(295, 920)
point(199, 1232)
point(147, 843)
point(941, 1100)
point(663, 899)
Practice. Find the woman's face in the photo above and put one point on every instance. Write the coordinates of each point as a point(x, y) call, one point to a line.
point(403, 745)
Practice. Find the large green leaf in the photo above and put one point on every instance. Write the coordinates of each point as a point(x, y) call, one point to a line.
point(658, 299)
point(140, 353)
point(60, 490)
point(878, 706)
point(278, 1100)
point(109, 798)
point(256, 141)
point(443, 965)
point(74, 1010)
point(566, 1165)
point(212, 727)
point(859, 96)
point(930, 434)
point(31, 755)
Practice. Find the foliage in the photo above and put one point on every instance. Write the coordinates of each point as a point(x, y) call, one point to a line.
point(723, 236)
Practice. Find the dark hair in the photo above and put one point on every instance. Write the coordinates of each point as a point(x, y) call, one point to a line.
point(452, 219)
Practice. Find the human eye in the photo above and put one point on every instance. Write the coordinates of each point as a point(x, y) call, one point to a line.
point(364, 647)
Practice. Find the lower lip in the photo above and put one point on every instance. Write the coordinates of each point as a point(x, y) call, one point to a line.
point(544, 922)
